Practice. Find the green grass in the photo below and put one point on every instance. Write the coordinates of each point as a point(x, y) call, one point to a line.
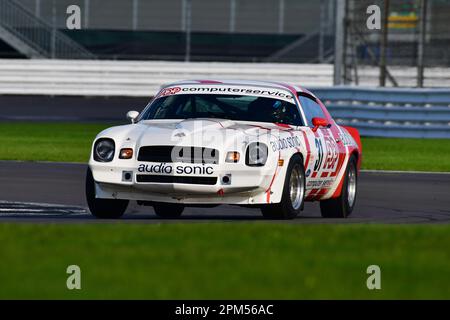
point(406, 154)
point(70, 142)
point(62, 142)
point(240, 261)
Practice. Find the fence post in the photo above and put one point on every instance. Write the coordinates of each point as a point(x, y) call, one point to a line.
point(421, 42)
point(384, 43)
point(86, 13)
point(188, 21)
point(135, 14)
point(281, 6)
point(232, 26)
point(340, 42)
point(53, 37)
point(37, 8)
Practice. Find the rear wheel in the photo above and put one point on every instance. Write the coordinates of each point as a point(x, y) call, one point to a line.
point(103, 208)
point(342, 206)
point(168, 210)
point(293, 193)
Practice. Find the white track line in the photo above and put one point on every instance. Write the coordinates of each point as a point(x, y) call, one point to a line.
point(405, 172)
point(19, 207)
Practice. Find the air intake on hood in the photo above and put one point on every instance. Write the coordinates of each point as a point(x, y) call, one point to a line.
point(178, 154)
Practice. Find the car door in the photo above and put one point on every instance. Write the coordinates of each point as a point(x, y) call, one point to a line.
point(327, 151)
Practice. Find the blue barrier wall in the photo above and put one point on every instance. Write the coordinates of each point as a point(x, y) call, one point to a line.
point(390, 112)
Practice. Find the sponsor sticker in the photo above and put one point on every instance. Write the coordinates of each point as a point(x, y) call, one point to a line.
point(319, 184)
point(169, 91)
point(285, 143)
point(346, 138)
point(163, 168)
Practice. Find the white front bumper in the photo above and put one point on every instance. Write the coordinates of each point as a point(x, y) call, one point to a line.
point(247, 185)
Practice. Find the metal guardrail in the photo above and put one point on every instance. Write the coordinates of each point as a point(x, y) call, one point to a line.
point(34, 37)
point(413, 113)
point(383, 112)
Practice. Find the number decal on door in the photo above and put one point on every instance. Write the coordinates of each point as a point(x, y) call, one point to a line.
point(319, 160)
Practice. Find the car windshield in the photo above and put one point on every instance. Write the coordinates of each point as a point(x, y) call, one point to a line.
point(233, 107)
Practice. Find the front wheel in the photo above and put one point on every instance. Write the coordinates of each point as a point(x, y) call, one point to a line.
point(293, 193)
point(342, 206)
point(103, 208)
point(168, 210)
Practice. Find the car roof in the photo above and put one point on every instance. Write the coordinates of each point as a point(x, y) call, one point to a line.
point(274, 84)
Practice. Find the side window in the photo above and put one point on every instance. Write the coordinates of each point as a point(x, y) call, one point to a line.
point(288, 113)
point(311, 109)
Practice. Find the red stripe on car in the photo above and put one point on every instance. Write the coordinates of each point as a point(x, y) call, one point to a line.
point(273, 179)
point(308, 149)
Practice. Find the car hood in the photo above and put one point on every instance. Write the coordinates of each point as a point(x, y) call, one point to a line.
point(194, 132)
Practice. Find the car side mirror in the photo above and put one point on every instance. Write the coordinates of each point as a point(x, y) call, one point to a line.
point(319, 122)
point(132, 116)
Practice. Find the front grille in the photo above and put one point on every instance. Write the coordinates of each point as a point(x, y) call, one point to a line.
point(145, 178)
point(178, 154)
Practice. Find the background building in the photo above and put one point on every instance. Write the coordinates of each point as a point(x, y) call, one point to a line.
point(237, 30)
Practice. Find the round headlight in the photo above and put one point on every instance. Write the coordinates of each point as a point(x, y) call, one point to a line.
point(256, 154)
point(104, 150)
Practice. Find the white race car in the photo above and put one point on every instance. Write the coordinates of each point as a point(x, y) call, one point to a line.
point(204, 143)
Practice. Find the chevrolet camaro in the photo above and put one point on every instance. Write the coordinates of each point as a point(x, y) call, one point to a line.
point(258, 144)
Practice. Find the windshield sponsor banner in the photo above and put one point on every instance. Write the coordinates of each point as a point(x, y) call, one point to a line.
point(230, 90)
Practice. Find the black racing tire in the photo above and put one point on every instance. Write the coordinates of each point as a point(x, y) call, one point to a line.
point(289, 208)
point(103, 208)
point(342, 206)
point(168, 210)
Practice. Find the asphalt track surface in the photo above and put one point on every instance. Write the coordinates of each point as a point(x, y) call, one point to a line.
point(54, 192)
point(68, 108)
